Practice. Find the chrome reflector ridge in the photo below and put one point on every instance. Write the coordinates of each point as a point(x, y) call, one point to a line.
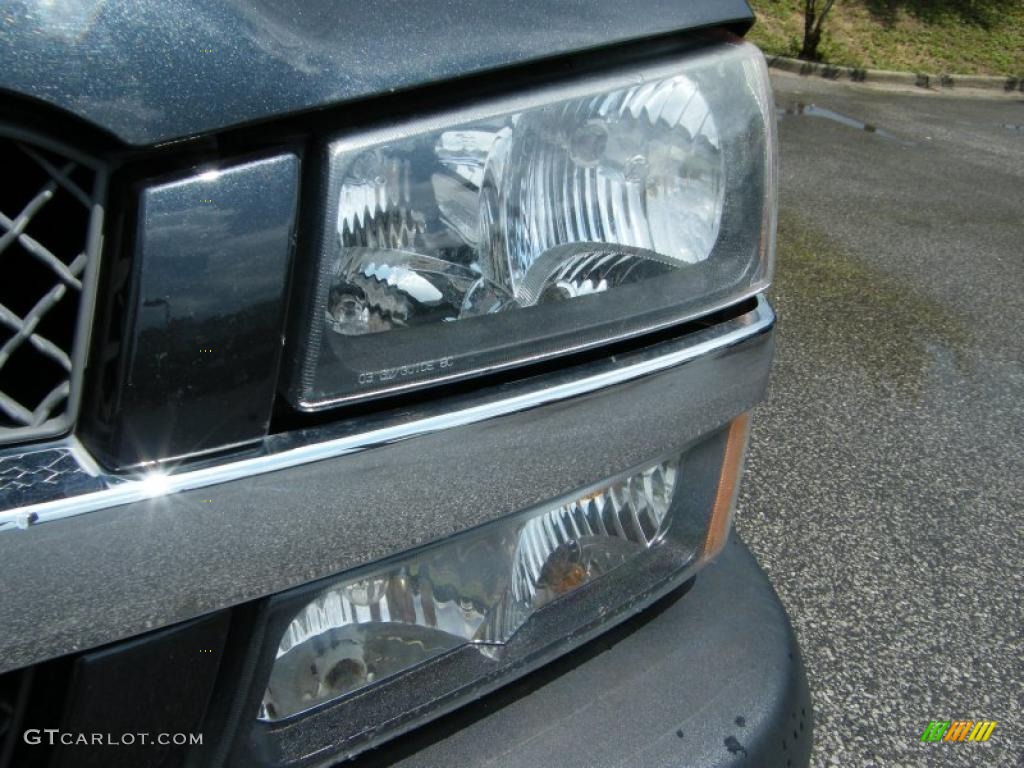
point(535, 226)
point(480, 587)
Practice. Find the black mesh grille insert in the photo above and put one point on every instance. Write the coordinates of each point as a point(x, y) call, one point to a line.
point(48, 212)
point(14, 687)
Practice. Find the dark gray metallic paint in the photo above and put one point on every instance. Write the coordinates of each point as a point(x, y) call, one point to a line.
point(210, 268)
point(155, 70)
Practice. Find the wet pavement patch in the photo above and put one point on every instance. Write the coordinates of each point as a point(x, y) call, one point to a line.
point(884, 487)
point(888, 328)
point(799, 109)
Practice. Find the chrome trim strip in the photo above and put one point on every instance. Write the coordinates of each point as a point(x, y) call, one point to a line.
point(157, 484)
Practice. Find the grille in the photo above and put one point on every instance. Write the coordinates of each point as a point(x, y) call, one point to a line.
point(35, 476)
point(50, 216)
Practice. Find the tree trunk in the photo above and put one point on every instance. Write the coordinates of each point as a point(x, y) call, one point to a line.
point(812, 28)
point(812, 37)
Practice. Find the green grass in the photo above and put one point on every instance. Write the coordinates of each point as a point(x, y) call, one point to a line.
point(982, 37)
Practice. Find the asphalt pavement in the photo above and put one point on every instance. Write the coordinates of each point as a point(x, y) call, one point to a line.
point(884, 491)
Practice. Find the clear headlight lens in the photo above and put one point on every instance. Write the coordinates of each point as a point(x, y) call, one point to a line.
point(645, 198)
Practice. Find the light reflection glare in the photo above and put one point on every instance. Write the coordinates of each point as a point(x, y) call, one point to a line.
point(155, 484)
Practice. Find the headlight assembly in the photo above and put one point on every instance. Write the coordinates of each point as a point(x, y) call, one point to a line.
point(526, 228)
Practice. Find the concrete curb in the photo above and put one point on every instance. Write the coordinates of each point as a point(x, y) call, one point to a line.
point(857, 75)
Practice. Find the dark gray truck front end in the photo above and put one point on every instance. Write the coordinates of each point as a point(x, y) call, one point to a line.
point(375, 384)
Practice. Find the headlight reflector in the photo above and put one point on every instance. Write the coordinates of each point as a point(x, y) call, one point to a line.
point(644, 197)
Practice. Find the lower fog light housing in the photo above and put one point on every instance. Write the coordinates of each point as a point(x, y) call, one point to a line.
point(478, 588)
point(359, 658)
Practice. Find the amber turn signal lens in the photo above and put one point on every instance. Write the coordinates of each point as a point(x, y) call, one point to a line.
point(728, 486)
